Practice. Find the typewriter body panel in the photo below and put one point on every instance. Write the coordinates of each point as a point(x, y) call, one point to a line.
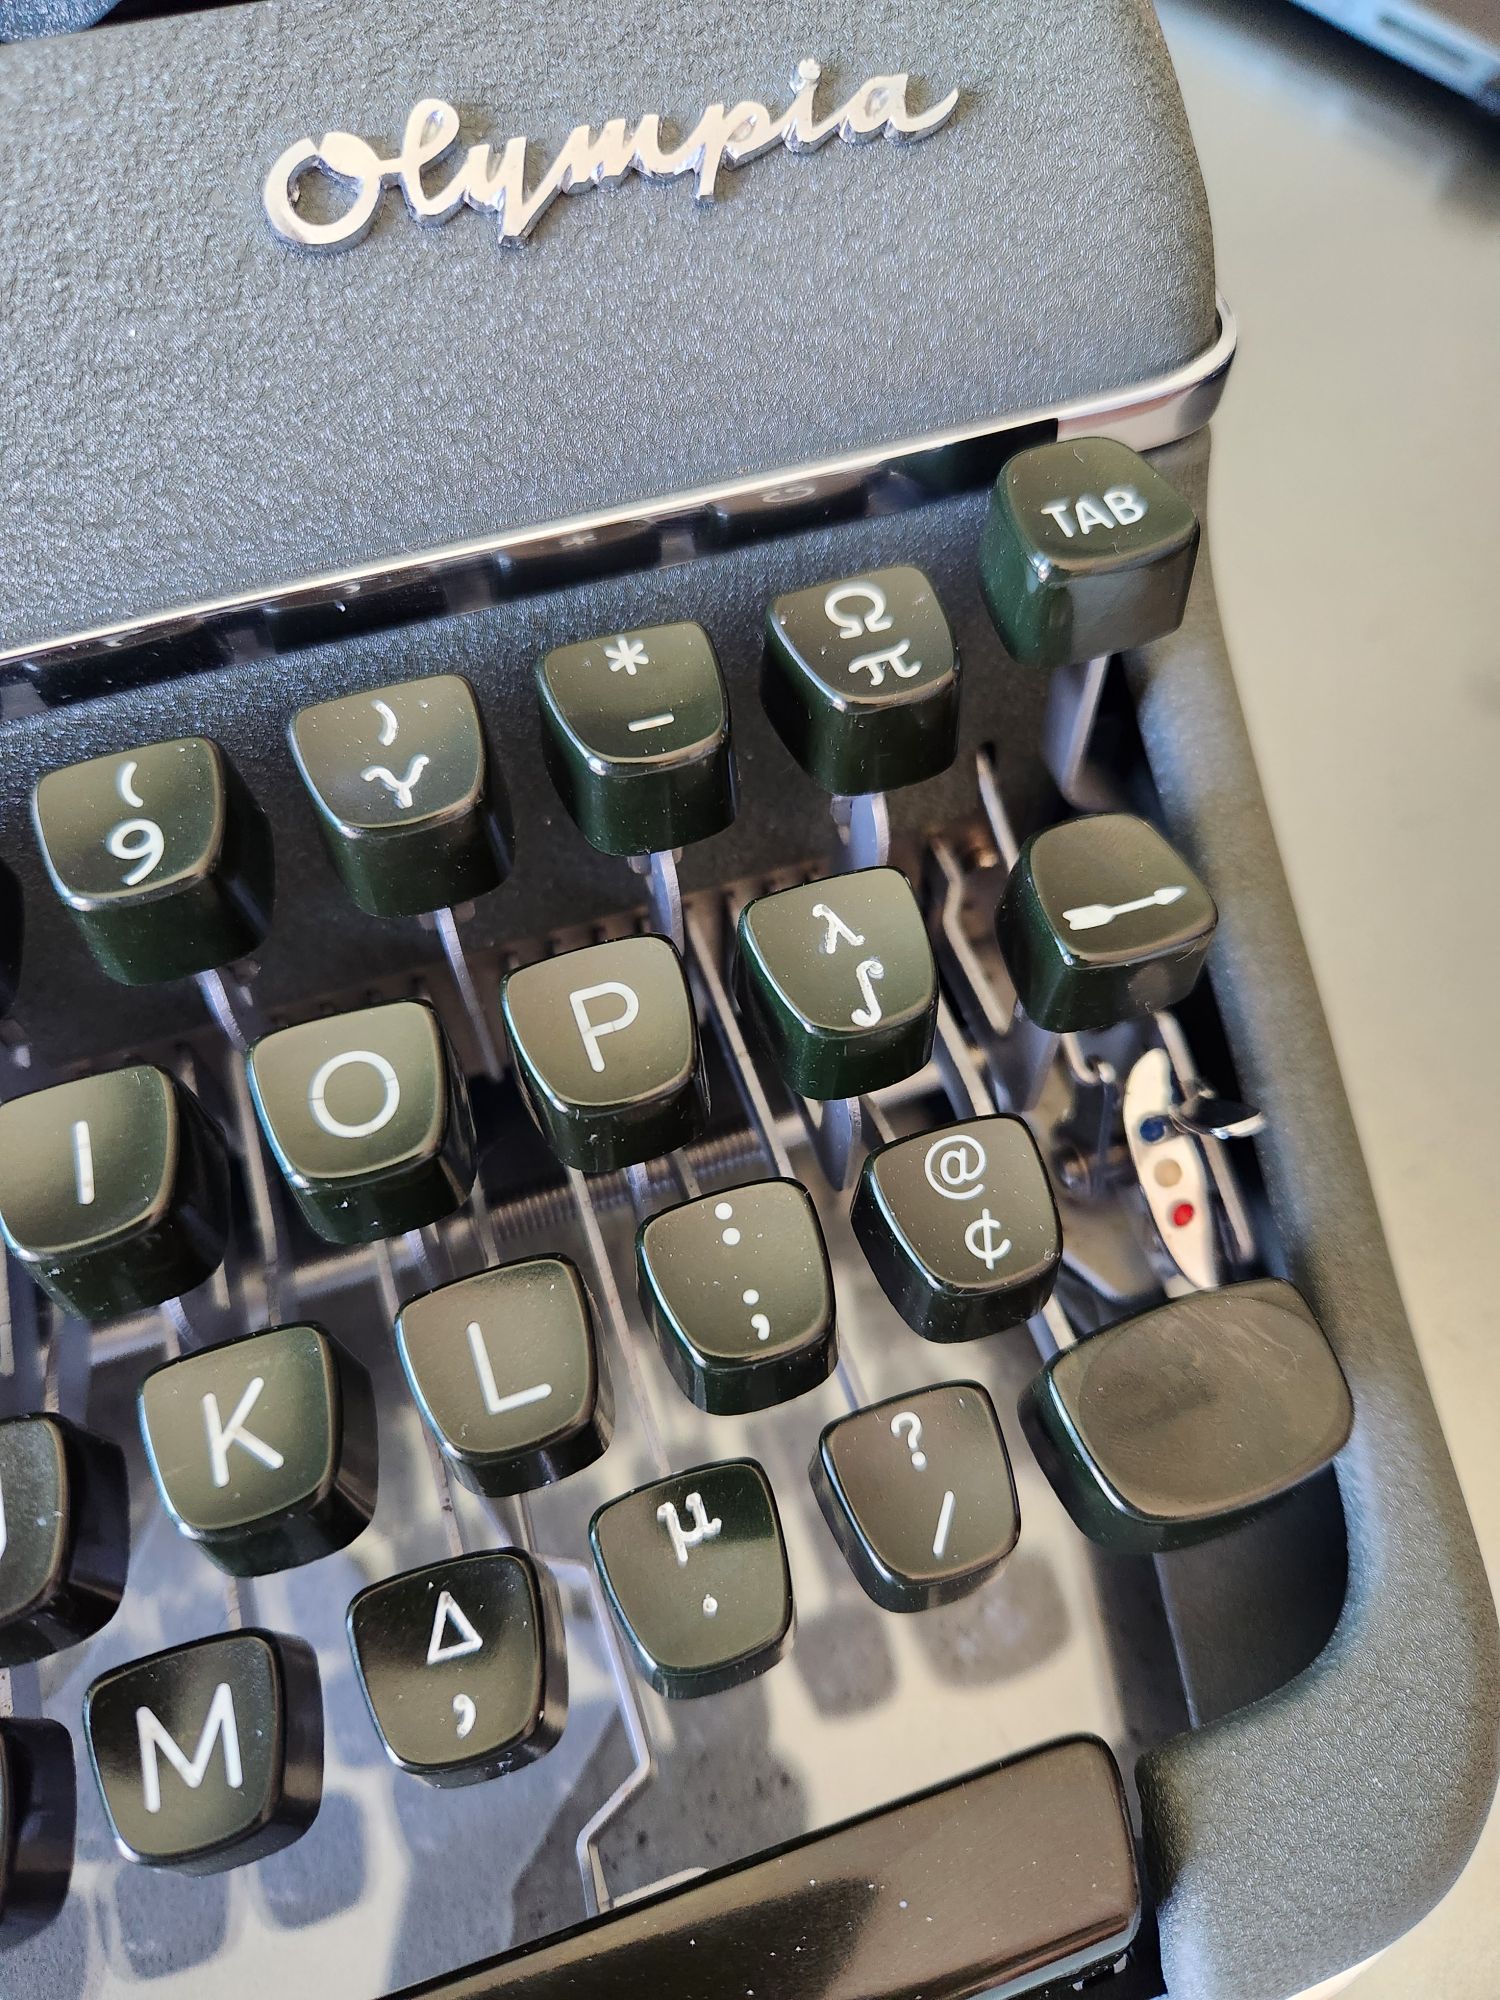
point(254, 479)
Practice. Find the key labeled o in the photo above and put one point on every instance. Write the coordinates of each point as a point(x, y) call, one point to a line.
point(317, 1093)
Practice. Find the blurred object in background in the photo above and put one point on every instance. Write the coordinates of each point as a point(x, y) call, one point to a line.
point(1455, 41)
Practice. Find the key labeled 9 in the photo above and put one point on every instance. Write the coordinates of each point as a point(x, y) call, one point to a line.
point(161, 856)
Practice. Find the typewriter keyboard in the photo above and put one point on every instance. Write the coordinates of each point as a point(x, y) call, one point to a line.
point(566, 1420)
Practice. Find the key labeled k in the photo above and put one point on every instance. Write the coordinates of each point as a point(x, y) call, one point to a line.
point(263, 1449)
point(221, 1435)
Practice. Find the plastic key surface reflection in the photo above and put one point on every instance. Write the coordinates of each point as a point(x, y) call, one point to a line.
point(368, 1118)
point(161, 856)
point(114, 1190)
point(1021, 1873)
point(1174, 1426)
point(412, 811)
point(696, 1574)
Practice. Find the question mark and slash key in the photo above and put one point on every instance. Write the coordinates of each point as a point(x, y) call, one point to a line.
point(907, 1425)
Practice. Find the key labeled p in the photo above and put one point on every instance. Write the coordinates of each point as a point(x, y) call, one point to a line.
point(594, 1027)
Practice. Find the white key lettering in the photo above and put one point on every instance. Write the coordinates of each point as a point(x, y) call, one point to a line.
point(83, 1163)
point(593, 1032)
point(853, 625)
point(867, 972)
point(141, 841)
point(317, 1092)
point(894, 657)
point(838, 932)
point(449, 1612)
point(489, 1388)
point(1089, 514)
point(400, 789)
point(1125, 504)
point(684, 1539)
point(221, 1435)
point(154, 1738)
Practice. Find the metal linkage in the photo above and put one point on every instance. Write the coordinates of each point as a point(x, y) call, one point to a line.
point(664, 891)
point(1074, 694)
point(445, 923)
point(585, 1579)
point(864, 824)
point(607, 1294)
point(732, 1041)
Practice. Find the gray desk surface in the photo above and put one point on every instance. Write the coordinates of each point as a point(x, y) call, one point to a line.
point(1357, 217)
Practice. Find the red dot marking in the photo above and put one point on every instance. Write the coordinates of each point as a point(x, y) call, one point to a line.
point(1183, 1214)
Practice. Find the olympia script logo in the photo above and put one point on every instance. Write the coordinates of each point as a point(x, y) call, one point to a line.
point(497, 181)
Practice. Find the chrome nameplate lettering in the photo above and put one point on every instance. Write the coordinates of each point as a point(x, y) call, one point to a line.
point(497, 180)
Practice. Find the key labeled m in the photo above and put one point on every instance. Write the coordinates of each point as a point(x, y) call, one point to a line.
point(156, 1741)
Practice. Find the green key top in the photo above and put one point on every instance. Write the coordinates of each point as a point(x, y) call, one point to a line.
point(636, 735)
point(960, 1227)
point(114, 1190)
point(161, 856)
point(368, 1118)
point(861, 680)
point(1102, 920)
point(1174, 1426)
point(737, 1288)
point(838, 981)
point(412, 810)
point(607, 1053)
point(1087, 551)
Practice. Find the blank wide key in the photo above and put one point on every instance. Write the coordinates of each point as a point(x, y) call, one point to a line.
point(1018, 1873)
point(695, 1570)
point(161, 855)
point(263, 1449)
point(505, 1370)
point(462, 1665)
point(919, 1495)
point(368, 1118)
point(738, 1290)
point(38, 1816)
point(412, 809)
point(209, 1755)
point(1174, 1426)
point(114, 1190)
point(1102, 921)
point(861, 680)
point(837, 979)
point(636, 734)
point(64, 1535)
point(1086, 551)
point(607, 1053)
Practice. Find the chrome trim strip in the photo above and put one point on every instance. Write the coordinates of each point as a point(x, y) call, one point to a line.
point(471, 575)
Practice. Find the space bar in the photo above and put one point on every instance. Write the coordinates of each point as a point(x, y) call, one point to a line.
point(1024, 1872)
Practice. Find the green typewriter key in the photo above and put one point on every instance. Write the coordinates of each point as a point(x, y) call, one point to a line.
point(635, 729)
point(161, 856)
point(368, 1118)
point(114, 1190)
point(838, 981)
point(1087, 551)
point(413, 812)
point(1175, 1426)
point(1102, 920)
point(607, 1053)
point(861, 680)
